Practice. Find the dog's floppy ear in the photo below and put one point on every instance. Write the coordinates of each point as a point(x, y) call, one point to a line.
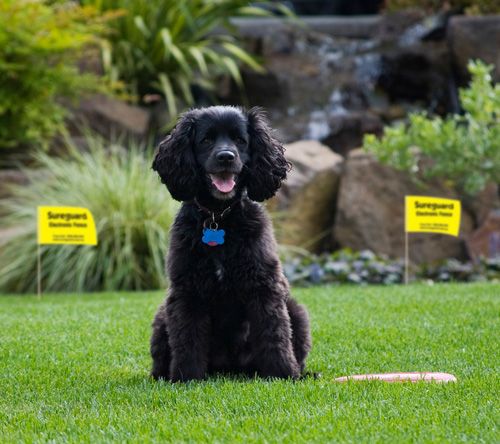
point(175, 162)
point(268, 166)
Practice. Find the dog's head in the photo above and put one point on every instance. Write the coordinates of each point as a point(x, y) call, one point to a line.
point(220, 151)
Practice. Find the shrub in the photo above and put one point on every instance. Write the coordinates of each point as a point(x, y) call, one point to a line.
point(468, 6)
point(464, 149)
point(131, 209)
point(39, 46)
point(166, 46)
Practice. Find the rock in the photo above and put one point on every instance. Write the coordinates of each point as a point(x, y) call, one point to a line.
point(263, 89)
point(418, 74)
point(274, 28)
point(475, 38)
point(430, 28)
point(481, 205)
point(342, 8)
point(393, 25)
point(485, 241)
point(393, 113)
point(370, 212)
point(305, 203)
point(346, 130)
point(110, 117)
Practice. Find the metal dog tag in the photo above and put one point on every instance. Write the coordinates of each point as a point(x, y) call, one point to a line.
point(211, 235)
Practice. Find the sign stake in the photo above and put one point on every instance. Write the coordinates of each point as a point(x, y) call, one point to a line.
point(407, 253)
point(39, 272)
point(407, 259)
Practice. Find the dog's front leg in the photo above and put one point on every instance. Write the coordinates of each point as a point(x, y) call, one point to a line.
point(271, 338)
point(189, 330)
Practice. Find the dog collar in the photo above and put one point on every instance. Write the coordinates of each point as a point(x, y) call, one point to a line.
point(215, 215)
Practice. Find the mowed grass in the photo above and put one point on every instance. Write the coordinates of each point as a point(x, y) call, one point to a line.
point(74, 368)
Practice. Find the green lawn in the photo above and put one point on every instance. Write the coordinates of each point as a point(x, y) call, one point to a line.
point(74, 368)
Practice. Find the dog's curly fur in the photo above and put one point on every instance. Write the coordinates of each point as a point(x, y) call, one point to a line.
point(228, 307)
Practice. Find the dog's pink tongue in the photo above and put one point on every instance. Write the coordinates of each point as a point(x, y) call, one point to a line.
point(223, 184)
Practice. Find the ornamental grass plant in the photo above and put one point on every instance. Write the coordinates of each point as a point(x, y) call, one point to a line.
point(131, 209)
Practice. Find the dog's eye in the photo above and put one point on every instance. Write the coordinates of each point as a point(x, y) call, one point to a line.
point(206, 141)
point(240, 140)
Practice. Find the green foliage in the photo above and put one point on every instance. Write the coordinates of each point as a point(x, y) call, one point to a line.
point(131, 209)
point(468, 6)
point(464, 149)
point(39, 46)
point(166, 46)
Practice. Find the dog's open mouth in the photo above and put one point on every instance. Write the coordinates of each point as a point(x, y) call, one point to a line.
point(224, 182)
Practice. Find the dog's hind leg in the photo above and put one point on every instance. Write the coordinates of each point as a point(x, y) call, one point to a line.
point(301, 334)
point(160, 349)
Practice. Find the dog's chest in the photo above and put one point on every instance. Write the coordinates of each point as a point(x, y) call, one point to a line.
point(219, 272)
point(223, 272)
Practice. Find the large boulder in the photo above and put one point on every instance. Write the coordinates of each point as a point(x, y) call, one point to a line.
point(110, 117)
point(483, 203)
point(475, 38)
point(346, 131)
point(485, 241)
point(370, 212)
point(305, 204)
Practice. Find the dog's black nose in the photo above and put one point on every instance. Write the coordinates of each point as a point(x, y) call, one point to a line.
point(225, 156)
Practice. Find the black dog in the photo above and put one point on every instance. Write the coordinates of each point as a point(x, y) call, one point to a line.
point(228, 307)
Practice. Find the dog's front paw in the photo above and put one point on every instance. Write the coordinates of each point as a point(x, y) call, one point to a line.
point(158, 376)
point(184, 373)
point(285, 369)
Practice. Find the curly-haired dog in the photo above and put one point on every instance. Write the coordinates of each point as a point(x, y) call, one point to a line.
point(228, 307)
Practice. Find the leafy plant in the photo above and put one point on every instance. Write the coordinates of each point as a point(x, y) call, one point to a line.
point(131, 209)
point(464, 148)
point(166, 46)
point(39, 46)
point(469, 6)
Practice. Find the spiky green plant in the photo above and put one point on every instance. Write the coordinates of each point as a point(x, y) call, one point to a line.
point(167, 46)
point(132, 211)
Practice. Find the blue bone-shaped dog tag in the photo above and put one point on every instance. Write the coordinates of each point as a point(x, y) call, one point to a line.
point(213, 237)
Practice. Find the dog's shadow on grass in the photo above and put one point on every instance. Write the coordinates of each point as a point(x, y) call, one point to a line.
point(240, 378)
point(121, 380)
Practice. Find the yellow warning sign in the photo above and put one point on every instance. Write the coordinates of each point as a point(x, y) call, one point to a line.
point(425, 214)
point(66, 225)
